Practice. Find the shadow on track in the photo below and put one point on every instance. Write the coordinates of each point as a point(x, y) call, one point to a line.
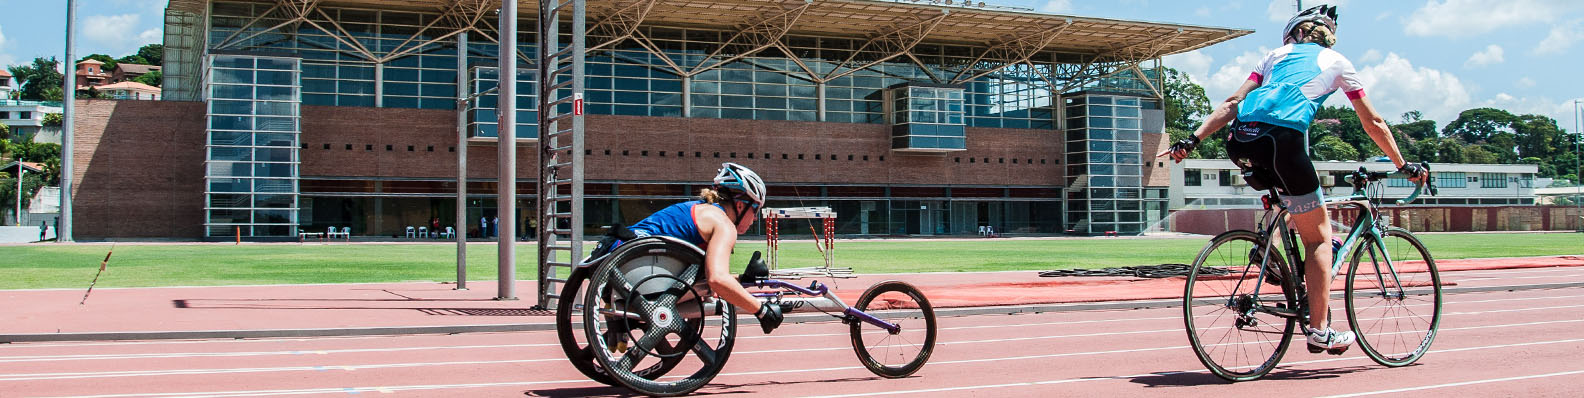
point(1190, 379)
point(712, 389)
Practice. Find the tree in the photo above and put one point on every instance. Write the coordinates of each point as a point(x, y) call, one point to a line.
point(52, 120)
point(1186, 103)
point(109, 63)
point(1331, 147)
point(1478, 154)
point(5, 132)
point(40, 81)
point(153, 53)
point(153, 78)
point(1474, 126)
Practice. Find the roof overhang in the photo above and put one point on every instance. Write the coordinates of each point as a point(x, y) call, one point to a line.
point(967, 25)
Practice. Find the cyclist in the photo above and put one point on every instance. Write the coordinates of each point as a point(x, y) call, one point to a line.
point(713, 222)
point(1272, 111)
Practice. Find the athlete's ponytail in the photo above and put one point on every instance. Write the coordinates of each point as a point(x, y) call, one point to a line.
point(1310, 32)
point(711, 195)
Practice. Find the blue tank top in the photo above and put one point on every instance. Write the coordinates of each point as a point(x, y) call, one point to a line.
point(674, 221)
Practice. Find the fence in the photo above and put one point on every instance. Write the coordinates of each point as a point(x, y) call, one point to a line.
point(1417, 219)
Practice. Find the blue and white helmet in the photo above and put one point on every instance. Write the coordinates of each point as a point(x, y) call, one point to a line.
point(1321, 14)
point(737, 178)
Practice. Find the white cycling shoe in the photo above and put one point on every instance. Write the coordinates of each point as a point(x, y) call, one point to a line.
point(1329, 340)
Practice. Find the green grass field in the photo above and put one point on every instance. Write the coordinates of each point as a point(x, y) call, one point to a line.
point(137, 265)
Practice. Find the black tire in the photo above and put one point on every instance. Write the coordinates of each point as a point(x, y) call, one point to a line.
point(1209, 298)
point(1388, 313)
point(904, 363)
point(578, 351)
point(638, 296)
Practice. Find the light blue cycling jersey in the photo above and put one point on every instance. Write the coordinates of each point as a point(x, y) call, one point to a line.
point(1294, 80)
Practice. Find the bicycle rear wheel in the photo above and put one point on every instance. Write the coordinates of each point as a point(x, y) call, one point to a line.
point(1393, 297)
point(1233, 337)
point(894, 355)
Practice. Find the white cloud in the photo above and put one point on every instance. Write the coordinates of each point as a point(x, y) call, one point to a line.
point(1371, 56)
point(1526, 82)
point(1561, 111)
point(6, 59)
point(1195, 64)
point(1226, 79)
point(1466, 18)
point(1202, 11)
point(1491, 55)
point(1057, 6)
point(1561, 37)
point(115, 35)
point(1396, 86)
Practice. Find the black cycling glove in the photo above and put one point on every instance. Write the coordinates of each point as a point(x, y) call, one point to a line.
point(1413, 170)
point(1186, 144)
point(769, 316)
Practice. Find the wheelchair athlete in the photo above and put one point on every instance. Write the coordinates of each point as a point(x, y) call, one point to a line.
point(712, 222)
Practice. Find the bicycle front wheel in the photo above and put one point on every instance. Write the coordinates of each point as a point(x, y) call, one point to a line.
point(898, 354)
point(1393, 297)
point(1228, 307)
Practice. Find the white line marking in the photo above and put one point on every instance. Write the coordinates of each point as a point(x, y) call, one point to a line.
point(1465, 383)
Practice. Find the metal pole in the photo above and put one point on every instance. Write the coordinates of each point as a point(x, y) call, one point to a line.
point(19, 191)
point(1578, 163)
point(462, 146)
point(506, 202)
point(63, 228)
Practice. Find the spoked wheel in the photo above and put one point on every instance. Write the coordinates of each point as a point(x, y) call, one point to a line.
point(576, 346)
point(1393, 297)
point(648, 310)
point(899, 353)
point(1230, 326)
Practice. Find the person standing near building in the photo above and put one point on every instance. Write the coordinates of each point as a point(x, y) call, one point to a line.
point(483, 227)
point(43, 229)
point(495, 227)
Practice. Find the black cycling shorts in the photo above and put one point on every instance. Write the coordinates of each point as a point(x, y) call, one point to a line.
point(1281, 153)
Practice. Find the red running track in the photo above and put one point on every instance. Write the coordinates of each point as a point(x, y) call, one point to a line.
point(1518, 343)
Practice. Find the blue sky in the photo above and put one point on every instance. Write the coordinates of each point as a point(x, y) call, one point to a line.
point(1435, 56)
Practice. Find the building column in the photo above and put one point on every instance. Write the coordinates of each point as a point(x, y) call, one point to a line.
point(687, 96)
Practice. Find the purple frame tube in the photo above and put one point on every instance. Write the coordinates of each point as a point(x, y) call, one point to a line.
point(822, 290)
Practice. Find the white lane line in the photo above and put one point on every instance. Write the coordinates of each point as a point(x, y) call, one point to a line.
point(1086, 379)
point(1465, 383)
point(42, 358)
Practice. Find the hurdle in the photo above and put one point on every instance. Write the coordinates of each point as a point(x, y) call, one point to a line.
point(824, 241)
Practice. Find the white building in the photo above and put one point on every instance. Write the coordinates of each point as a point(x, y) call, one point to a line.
point(25, 118)
point(1218, 184)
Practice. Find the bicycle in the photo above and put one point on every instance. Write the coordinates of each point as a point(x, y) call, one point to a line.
point(645, 307)
point(1390, 278)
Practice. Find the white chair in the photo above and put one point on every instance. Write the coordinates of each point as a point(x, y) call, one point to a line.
point(346, 232)
point(423, 232)
point(449, 233)
point(330, 233)
point(411, 232)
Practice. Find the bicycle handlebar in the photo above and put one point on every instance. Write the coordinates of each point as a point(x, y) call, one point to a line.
point(1429, 182)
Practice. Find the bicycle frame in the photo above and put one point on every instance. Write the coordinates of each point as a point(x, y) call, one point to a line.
point(1366, 222)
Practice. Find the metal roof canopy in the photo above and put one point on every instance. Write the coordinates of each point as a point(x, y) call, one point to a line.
point(964, 25)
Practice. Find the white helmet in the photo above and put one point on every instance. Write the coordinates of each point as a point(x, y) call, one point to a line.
point(735, 177)
point(1321, 14)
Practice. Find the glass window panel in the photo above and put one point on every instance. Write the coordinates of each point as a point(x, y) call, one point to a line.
point(230, 216)
point(730, 113)
point(272, 216)
point(230, 200)
point(1104, 122)
point(272, 169)
point(277, 124)
point(1127, 112)
point(1125, 158)
point(274, 201)
point(230, 138)
point(233, 62)
point(1100, 146)
point(706, 87)
point(239, 76)
point(284, 93)
point(355, 100)
point(231, 91)
point(231, 107)
point(276, 108)
point(1127, 123)
point(356, 72)
point(273, 155)
point(231, 122)
point(229, 169)
point(737, 88)
point(273, 185)
point(1099, 110)
point(278, 78)
point(404, 89)
point(774, 90)
point(229, 185)
point(628, 97)
point(276, 139)
point(1127, 135)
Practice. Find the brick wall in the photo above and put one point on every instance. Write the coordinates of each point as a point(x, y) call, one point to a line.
point(138, 169)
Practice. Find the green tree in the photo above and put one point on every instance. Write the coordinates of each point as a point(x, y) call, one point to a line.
point(1331, 147)
point(52, 120)
point(153, 78)
point(153, 53)
point(1476, 125)
point(1186, 103)
point(1478, 154)
point(40, 79)
point(109, 63)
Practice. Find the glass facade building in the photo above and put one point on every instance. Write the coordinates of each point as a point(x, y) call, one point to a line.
point(927, 93)
point(252, 160)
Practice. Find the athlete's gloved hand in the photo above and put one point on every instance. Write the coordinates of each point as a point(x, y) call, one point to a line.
point(1415, 172)
point(769, 316)
point(1181, 148)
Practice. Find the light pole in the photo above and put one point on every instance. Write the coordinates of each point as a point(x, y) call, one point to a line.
point(63, 227)
point(1578, 163)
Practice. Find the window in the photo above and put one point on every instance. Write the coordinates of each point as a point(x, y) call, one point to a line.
point(1451, 180)
point(1399, 182)
point(1191, 177)
point(5, 115)
point(25, 115)
point(1493, 180)
point(1226, 178)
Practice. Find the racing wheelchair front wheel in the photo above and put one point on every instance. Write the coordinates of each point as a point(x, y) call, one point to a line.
point(649, 305)
point(894, 353)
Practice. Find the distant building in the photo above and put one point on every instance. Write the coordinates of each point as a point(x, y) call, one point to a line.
point(91, 73)
point(129, 90)
point(25, 118)
point(1218, 184)
point(5, 85)
point(125, 72)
